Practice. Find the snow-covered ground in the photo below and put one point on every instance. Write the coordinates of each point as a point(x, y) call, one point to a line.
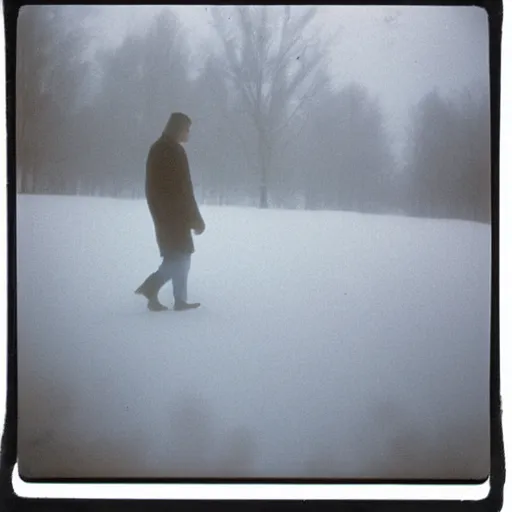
point(329, 344)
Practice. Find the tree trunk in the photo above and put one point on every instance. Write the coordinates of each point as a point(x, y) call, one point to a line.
point(263, 196)
point(263, 157)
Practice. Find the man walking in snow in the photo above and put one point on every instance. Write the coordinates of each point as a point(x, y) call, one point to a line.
point(171, 202)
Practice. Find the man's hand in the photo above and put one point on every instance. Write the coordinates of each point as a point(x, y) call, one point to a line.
point(199, 227)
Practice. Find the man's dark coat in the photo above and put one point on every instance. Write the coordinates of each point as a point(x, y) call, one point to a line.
point(170, 197)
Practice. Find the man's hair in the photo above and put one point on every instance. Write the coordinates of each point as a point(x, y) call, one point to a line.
point(177, 122)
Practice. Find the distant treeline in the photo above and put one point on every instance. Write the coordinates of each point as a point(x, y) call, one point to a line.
point(269, 129)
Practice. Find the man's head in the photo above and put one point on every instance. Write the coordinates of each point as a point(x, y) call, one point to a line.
point(178, 127)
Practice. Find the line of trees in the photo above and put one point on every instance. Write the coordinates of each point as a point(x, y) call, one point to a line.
point(270, 129)
point(448, 169)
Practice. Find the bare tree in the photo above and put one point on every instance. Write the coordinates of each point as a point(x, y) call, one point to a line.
point(449, 156)
point(273, 67)
point(32, 97)
point(342, 158)
point(50, 72)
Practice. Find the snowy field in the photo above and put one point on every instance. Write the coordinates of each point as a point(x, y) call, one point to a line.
point(329, 344)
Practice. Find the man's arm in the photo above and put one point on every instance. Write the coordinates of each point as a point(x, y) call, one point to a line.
point(192, 213)
point(159, 185)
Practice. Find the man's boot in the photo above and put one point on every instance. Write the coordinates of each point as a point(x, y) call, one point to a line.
point(155, 305)
point(149, 288)
point(181, 305)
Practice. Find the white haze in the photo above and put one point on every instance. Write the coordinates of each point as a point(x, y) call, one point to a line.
point(329, 344)
point(399, 53)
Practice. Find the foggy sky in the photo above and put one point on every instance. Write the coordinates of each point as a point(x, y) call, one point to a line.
point(399, 53)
